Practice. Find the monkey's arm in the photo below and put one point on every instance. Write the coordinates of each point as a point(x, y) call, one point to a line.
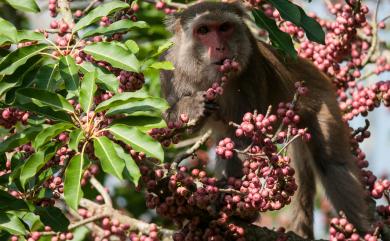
point(189, 102)
point(194, 106)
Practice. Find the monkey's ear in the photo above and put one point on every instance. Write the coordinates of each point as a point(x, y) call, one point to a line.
point(172, 22)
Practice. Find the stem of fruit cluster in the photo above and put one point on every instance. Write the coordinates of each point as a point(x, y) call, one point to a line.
point(99, 187)
point(288, 143)
point(374, 40)
point(64, 9)
point(195, 147)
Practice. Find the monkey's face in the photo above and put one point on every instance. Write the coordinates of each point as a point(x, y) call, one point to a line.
point(210, 38)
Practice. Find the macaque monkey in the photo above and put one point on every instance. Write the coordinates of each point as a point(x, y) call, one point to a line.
point(207, 33)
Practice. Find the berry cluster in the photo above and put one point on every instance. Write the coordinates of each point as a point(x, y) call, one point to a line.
point(341, 229)
point(113, 227)
point(365, 99)
point(129, 81)
point(379, 188)
point(53, 8)
point(10, 116)
point(384, 212)
point(267, 182)
point(152, 236)
point(162, 6)
point(225, 148)
point(228, 66)
point(342, 43)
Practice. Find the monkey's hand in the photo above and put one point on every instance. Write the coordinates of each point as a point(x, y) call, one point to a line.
point(196, 107)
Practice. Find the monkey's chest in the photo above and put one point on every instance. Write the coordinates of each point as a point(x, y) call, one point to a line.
point(235, 102)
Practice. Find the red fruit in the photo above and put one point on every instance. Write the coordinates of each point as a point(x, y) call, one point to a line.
point(160, 5)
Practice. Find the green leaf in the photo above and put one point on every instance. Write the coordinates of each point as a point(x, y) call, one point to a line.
point(74, 139)
point(288, 11)
point(12, 224)
point(149, 104)
point(47, 77)
point(131, 171)
point(313, 29)
point(9, 202)
point(18, 57)
point(80, 233)
point(48, 133)
point(53, 217)
point(97, 13)
point(46, 98)
point(69, 72)
point(29, 35)
point(31, 167)
point(72, 186)
point(166, 65)
point(115, 54)
point(161, 49)
point(46, 111)
point(143, 123)
point(8, 30)
point(9, 82)
point(119, 26)
point(132, 46)
point(87, 91)
point(109, 159)
point(280, 39)
point(24, 5)
point(3, 42)
point(295, 14)
point(121, 98)
point(104, 77)
point(19, 138)
point(26, 79)
point(138, 140)
point(32, 221)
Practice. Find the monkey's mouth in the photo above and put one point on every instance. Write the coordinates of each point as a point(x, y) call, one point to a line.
point(220, 62)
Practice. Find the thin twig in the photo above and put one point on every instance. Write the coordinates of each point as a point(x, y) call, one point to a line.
point(87, 220)
point(99, 187)
point(90, 5)
point(170, 4)
point(361, 129)
point(288, 143)
point(53, 31)
point(79, 223)
point(374, 40)
point(195, 147)
point(187, 142)
point(385, 19)
point(231, 191)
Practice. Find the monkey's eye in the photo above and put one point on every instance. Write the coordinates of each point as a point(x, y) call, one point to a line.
point(203, 30)
point(224, 27)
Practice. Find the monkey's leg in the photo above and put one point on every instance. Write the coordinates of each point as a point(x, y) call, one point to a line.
point(303, 200)
point(337, 169)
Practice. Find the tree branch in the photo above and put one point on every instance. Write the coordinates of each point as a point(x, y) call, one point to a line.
point(99, 187)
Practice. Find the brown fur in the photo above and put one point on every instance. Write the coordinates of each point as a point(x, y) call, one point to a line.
point(266, 79)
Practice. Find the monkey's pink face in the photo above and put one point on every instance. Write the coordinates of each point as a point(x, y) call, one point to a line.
point(215, 37)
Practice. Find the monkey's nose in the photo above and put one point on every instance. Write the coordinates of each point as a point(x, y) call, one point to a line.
point(220, 48)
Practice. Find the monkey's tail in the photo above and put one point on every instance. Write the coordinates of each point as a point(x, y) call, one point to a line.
point(346, 192)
